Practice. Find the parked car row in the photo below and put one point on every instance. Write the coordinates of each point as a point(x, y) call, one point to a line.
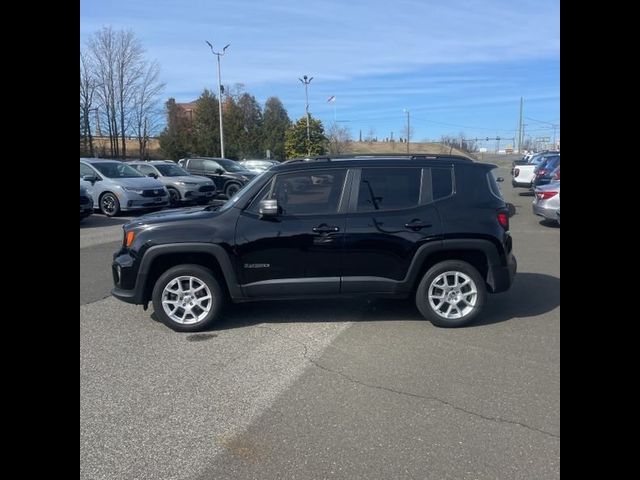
point(540, 173)
point(114, 186)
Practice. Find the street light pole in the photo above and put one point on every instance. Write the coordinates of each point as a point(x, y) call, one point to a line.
point(408, 127)
point(219, 54)
point(306, 82)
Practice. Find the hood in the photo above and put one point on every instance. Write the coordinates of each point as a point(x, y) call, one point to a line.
point(138, 182)
point(173, 215)
point(192, 179)
point(249, 174)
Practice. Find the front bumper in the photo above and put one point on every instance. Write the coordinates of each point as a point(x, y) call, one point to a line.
point(125, 278)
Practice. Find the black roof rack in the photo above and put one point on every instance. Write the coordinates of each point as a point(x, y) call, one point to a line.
point(415, 156)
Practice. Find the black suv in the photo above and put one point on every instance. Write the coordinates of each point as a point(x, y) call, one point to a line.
point(228, 175)
point(432, 227)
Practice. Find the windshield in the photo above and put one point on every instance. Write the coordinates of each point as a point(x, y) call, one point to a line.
point(170, 170)
point(231, 166)
point(232, 201)
point(116, 170)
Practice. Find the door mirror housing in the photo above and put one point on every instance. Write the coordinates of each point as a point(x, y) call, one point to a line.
point(268, 208)
point(153, 175)
point(219, 171)
point(90, 178)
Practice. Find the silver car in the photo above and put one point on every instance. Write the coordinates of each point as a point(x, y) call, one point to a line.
point(182, 186)
point(114, 187)
point(258, 166)
point(547, 201)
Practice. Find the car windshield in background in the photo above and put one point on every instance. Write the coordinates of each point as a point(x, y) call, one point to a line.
point(231, 166)
point(116, 170)
point(169, 170)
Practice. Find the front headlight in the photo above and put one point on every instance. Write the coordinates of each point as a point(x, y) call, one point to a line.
point(133, 190)
point(244, 179)
point(186, 184)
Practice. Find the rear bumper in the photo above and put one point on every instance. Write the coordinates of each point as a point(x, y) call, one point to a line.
point(549, 213)
point(501, 277)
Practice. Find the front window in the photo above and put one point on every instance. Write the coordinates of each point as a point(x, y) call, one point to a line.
point(315, 192)
point(247, 188)
point(116, 170)
point(171, 170)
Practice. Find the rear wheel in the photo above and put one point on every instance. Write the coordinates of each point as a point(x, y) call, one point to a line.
point(187, 298)
point(451, 294)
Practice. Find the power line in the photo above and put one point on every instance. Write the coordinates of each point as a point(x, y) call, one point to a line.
point(540, 121)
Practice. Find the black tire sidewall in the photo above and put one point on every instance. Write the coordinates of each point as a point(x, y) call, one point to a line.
point(422, 301)
point(228, 187)
point(174, 197)
point(115, 198)
point(199, 272)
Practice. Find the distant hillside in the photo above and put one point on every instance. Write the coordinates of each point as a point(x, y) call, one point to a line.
point(378, 148)
point(362, 148)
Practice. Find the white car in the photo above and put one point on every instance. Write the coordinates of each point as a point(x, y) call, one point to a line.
point(523, 175)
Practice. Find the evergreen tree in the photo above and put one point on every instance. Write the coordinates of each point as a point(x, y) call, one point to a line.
point(206, 126)
point(176, 139)
point(275, 122)
point(296, 138)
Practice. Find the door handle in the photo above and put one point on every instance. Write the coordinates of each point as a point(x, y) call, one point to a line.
point(324, 228)
point(417, 225)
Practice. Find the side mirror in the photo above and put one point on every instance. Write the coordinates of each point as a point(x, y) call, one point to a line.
point(268, 208)
point(500, 179)
point(89, 178)
point(153, 175)
point(219, 171)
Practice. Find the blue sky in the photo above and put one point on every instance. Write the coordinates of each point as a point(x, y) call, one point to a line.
point(456, 65)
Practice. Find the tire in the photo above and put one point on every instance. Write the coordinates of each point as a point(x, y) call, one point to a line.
point(109, 204)
point(467, 305)
point(174, 197)
point(231, 189)
point(198, 315)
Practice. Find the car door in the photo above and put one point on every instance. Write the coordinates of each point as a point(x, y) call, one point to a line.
point(212, 170)
point(391, 214)
point(299, 251)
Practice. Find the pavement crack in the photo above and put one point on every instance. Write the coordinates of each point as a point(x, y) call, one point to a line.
point(404, 393)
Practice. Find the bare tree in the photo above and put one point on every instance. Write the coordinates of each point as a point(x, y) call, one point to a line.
point(121, 70)
point(146, 111)
point(87, 91)
point(339, 139)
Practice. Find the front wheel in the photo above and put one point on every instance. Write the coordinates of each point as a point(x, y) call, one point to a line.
point(451, 294)
point(231, 190)
point(109, 204)
point(174, 197)
point(187, 298)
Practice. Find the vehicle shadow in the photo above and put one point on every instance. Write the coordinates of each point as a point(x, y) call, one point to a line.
point(545, 222)
point(531, 294)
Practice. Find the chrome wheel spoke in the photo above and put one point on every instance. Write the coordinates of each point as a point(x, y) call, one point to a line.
point(180, 303)
point(447, 299)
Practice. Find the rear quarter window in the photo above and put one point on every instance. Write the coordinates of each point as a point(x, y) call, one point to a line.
point(493, 185)
point(442, 181)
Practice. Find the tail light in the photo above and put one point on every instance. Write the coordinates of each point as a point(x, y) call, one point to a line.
point(541, 172)
point(503, 220)
point(516, 172)
point(546, 195)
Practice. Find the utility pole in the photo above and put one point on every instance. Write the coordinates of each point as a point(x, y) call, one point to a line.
point(408, 127)
point(521, 127)
point(219, 54)
point(306, 83)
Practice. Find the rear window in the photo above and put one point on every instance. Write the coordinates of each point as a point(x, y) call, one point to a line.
point(493, 185)
point(442, 182)
point(388, 189)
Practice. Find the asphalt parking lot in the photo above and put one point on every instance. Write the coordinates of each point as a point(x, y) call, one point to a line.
point(324, 389)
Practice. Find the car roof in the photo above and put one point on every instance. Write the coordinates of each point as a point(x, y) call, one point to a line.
point(99, 160)
point(378, 160)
